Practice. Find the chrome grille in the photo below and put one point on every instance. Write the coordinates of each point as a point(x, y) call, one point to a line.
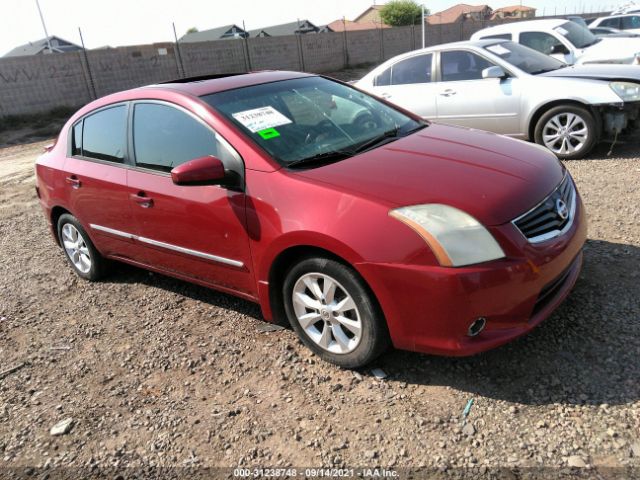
point(545, 220)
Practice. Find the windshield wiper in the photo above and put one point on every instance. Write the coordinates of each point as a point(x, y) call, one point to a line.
point(321, 158)
point(377, 140)
point(545, 70)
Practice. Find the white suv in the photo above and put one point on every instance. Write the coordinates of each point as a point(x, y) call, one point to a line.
point(629, 22)
point(566, 41)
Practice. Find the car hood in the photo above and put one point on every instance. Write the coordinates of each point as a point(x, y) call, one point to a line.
point(598, 71)
point(609, 49)
point(491, 177)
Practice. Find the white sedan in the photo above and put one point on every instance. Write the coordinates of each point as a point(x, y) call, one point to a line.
point(506, 88)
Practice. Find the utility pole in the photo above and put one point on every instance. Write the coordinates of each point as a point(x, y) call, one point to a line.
point(46, 34)
point(423, 25)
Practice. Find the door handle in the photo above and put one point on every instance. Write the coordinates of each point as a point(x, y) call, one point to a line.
point(141, 199)
point(73, 181)
point(385, 95)
point(448, 92)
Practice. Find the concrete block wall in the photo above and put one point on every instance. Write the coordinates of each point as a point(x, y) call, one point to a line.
point(122, 68)
point(40, 83)
point(205, 58)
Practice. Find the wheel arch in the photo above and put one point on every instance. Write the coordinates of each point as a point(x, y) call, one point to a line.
point(542, 109)
point(56, 213)
point(288, 257)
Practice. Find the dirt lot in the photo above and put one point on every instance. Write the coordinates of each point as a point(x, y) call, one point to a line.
point(156, 372)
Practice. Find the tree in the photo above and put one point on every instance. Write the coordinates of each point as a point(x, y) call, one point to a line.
point(401, 12)
point(192, 30)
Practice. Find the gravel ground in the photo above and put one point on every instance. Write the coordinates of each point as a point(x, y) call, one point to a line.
point(155, 372)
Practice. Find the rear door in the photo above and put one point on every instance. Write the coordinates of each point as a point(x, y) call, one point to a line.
point(466, 98)
point(408, 83)
point(195, 231)
point(96, 179)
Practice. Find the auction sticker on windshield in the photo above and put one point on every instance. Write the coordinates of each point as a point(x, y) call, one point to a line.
point(498, 50)
point(261, 118)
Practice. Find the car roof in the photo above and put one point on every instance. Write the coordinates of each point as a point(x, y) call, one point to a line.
point(619, 15)
point(524, 26)
point(445, 46)
point(205, 85)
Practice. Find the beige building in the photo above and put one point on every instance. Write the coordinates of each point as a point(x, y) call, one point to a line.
point(370, 15)
point(515, 11)
point(460, 12)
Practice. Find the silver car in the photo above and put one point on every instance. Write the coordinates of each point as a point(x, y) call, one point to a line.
point(507, 88)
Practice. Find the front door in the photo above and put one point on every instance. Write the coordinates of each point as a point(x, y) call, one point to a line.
point(194, 231)
point(466, 98)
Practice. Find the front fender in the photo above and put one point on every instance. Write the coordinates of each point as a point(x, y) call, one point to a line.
point(543, 93)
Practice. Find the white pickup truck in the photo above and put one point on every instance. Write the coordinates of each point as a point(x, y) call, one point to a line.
point(566, 41)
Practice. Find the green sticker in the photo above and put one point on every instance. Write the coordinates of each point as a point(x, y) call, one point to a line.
point(269, 133)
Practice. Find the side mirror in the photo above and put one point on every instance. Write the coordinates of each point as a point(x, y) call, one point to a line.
point(494, 72)
point(200, 171)
point(559, 49)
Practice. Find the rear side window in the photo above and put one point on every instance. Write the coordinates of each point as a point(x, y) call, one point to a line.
point(383, 79)
point(165, 137)
point(630, 22)
point(76, 144)
point(412, 70)
point(104, 134)
point(540, 41)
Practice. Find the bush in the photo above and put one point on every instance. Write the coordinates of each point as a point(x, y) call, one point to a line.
point(401, 12)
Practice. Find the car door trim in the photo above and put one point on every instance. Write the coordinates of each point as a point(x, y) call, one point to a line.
point(169, 246)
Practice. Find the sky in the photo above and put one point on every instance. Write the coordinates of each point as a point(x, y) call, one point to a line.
point(133, 22)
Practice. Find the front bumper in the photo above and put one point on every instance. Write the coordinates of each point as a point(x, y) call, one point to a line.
point(620, 119)
point(429, 309)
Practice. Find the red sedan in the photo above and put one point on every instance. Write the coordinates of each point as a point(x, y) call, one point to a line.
point(353, 220)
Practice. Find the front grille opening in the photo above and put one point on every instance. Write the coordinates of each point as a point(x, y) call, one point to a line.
point(549, 291)
point(545, 220)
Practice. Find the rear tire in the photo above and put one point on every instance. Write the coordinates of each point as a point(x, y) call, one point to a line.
point(333, 312)
point(81, 254)
point(569, 131)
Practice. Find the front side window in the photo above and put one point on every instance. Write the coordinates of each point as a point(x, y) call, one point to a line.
point(540, 41)
point(611, 23)
point(629, 23)
point(310, 119)
point(165, 137)
point(412, 70)
point(460, 65)
point(104, 134)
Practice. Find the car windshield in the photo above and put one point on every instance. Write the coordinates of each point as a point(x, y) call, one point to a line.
point(311, 120)
point(525, 58)
point(579, 36)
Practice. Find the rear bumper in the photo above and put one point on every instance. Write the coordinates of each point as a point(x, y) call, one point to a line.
point(429, 309)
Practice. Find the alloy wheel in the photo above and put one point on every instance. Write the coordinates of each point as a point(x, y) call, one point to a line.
point(327, 313)
point(76, 248)
point(565, 133)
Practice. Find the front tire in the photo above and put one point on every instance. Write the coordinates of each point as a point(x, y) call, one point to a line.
point(81, 254)
point(334, 314)
point(569, 131)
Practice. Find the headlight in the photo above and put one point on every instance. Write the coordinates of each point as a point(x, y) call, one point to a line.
point(627, 91)
point(456, 238)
